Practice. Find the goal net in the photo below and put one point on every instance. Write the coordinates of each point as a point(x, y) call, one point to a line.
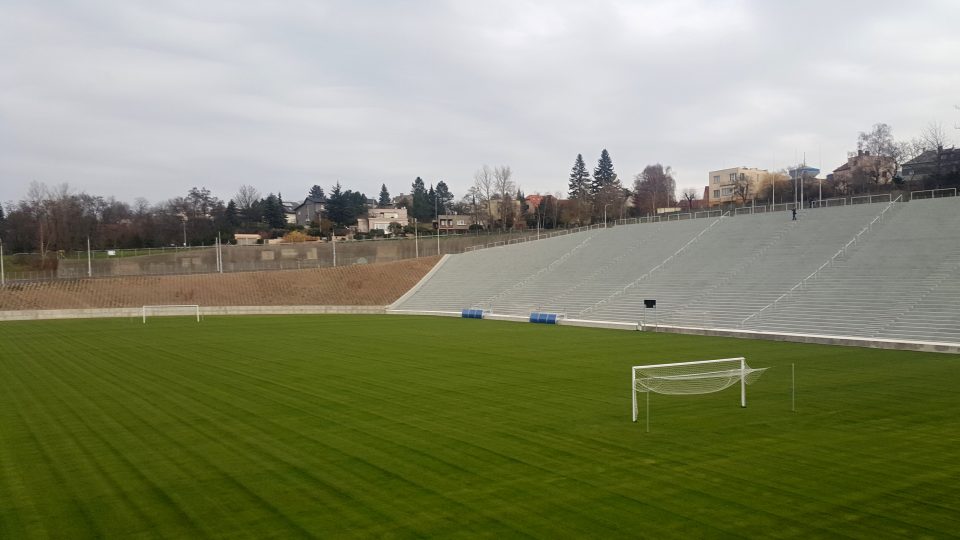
point(698, 377)
point(192, 310)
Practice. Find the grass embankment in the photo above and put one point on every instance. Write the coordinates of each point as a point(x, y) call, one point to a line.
point(402, 426)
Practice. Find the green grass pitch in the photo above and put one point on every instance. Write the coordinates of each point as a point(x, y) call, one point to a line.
point(391, 426)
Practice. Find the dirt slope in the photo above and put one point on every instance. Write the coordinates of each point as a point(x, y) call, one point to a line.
point(367, 285)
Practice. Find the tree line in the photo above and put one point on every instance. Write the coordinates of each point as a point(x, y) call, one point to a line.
point(56, 218)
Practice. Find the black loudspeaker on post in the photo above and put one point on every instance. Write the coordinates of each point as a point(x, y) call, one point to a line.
point(650, 303)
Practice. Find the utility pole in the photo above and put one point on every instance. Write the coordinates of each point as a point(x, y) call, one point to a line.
point(89, 262)
point(803, 170)
point(773, 187)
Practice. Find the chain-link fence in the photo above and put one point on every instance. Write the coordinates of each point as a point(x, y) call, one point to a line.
point(204, 259)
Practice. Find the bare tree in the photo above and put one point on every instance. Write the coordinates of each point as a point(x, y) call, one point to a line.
point(742, 188)
point(246, 197)
point(470, 204)
point(141, 206)
point(878, 141)
point(483, 189)
point(877, 152)
point(654, 188)
point(691, 196)
point(772, 185)
point(64, 219)
point(504, 188)
point(933, 137)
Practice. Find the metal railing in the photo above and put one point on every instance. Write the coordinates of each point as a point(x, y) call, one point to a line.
point(933, 193)
point(827, 203)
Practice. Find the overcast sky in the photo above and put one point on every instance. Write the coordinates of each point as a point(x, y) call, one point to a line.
point(148, 98)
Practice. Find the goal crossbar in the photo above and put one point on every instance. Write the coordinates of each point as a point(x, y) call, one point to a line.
point(694, 377)
point(193, 307)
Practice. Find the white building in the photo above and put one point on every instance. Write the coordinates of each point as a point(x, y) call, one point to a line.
point(381, 218)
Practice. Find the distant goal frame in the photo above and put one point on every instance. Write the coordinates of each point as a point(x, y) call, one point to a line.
point(145, 308)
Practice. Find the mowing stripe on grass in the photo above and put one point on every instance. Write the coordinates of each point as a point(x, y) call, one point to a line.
point(405, 426)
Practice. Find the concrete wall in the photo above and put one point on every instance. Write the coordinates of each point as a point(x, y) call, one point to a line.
point(41, 314)
point(844, 341)
point(951, 348)
point(100, 313)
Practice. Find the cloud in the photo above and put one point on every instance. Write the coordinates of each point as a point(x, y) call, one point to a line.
point(151, 98)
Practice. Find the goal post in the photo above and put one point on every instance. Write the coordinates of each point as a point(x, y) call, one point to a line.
point(687, 378)
point(180, 309)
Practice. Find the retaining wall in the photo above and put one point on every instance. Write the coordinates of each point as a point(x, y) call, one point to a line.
point(133, 312)
point(846, 341)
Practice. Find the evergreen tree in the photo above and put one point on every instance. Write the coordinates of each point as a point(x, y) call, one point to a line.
point(445, 198)
point(273, 212)
point(220, 223)
point(316, 192)
point(524, 207)
point(255, 214)
point(422, 207)
point(337, 210)
point(231, 214)
point(579, 186)
point(384, 200)
point(355, 206)
point(3, 224)
point(433, 202)
point(604, 174)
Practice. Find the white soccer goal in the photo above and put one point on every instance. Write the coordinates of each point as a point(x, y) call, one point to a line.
point(171, 309)
point(698, 377)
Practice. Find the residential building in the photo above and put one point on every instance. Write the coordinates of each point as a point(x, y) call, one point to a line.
point(290, 212)
point(861, 170)
point(402, 200)
point(533, 201)
point(933, 169)
point(694, 205)
point(722, 184)
point(311, 209)
point(242, 239)
point(381, 218)
point(454, 223)
point(500, 212)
